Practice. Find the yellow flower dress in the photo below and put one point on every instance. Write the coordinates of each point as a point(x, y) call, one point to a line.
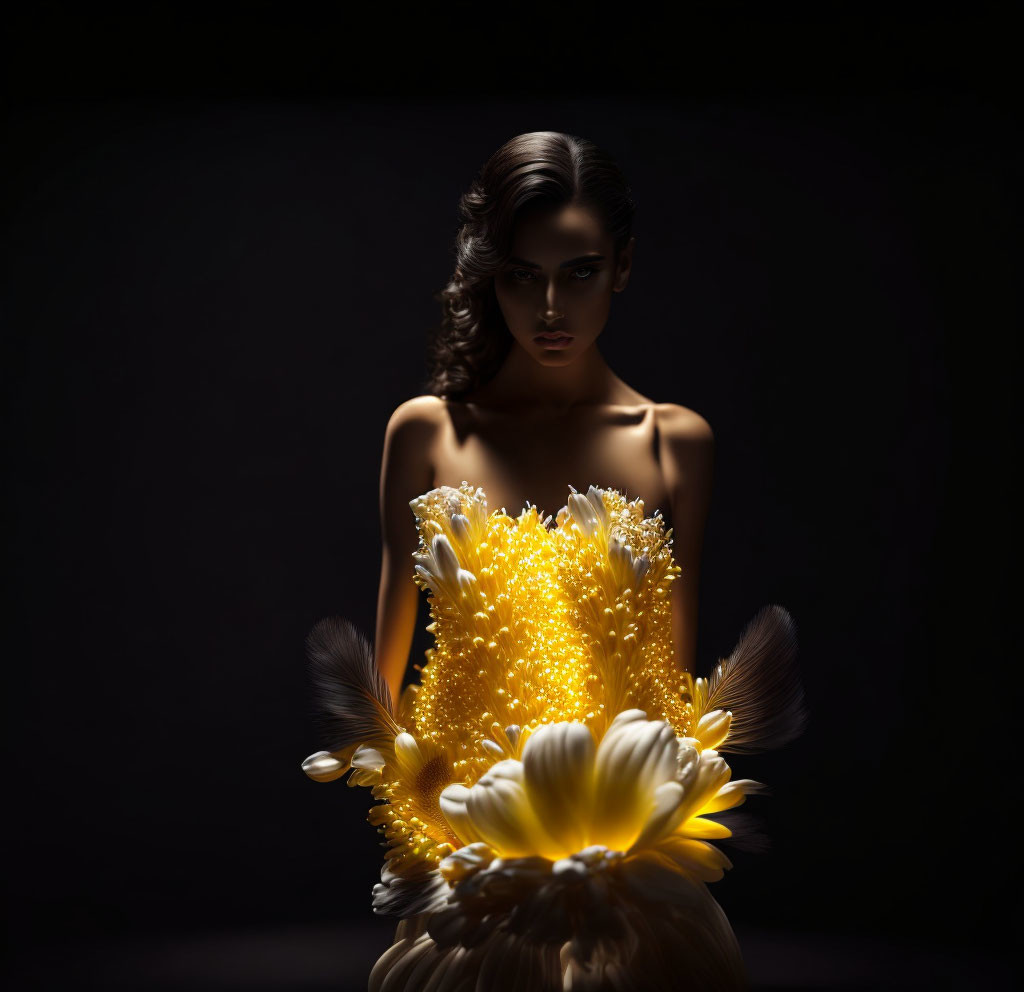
point(548, 791)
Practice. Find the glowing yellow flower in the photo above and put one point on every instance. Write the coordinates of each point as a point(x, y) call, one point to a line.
point(641, 787)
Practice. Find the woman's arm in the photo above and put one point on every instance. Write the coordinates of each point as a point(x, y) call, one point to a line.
point(407, 471)
point(687, 458)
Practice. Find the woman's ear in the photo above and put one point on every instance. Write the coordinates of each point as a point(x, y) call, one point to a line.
point(624, 266)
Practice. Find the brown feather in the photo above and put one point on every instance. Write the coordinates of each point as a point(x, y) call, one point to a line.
point(351, 699)
point(749, 831)
point(760, 683)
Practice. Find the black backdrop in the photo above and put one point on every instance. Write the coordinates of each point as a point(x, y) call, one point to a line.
point(223, 235)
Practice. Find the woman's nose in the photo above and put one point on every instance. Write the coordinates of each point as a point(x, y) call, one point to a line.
point(551, 309)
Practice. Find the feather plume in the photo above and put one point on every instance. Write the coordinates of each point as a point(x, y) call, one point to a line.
point(748, 830)
point(351, 700)
point(760, 683)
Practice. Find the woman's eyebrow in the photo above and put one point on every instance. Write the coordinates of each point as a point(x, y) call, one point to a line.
point(564, 265)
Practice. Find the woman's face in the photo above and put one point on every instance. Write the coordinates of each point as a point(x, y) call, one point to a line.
point(556, 289)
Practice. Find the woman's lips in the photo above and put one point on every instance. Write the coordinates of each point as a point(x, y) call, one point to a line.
point(557, 340)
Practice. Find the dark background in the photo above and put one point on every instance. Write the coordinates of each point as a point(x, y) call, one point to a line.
point(222, 236)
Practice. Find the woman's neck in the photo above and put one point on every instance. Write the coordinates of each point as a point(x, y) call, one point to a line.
point(522, 381)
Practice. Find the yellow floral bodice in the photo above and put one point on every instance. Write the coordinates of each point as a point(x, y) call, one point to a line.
point(539, 620)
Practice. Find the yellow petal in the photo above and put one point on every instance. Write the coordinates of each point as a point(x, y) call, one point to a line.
point(713, 773)
point(664, 816)
point(698, 827)
point(731, 794)
point(703, 859)
point(363, 777)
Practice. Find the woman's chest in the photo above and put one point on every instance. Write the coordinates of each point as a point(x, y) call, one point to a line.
point(536, 460)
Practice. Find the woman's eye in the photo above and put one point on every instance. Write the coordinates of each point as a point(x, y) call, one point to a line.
point(579, 275)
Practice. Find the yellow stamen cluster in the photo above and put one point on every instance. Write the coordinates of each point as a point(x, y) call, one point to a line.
point(626, 623)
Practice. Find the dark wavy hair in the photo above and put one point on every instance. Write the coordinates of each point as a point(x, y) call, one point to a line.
point(541, 167)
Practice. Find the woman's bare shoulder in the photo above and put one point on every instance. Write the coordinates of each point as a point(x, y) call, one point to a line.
point(410, 437)
point(407, 462)
point(686, 452)
point(680, 424)
point(417, 415)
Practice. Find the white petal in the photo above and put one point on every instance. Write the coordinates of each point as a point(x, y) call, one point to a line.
point(569, 868)
point(633, 759)
point(713, 728)
point(645, 751)
point(641, 566)
point(558, 765)
point(445, 559)
point(324, 767)
point(689, 761)
point(368, 758)
point(497, 811)
point(453, 801)
point(407, 750)
point(626, 716)
point(619, 552)
point(460, 526)
point(500, 811)
point(601, 511)
point(583, 514)
point(466, 861)
point(429, 578)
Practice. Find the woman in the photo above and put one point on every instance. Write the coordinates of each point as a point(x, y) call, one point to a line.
point(551, 783)
point(523, 403)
